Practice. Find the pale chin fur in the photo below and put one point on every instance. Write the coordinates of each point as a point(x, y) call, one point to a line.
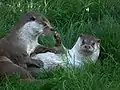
point(28, 35)
point(72, 58)
point(76, 54)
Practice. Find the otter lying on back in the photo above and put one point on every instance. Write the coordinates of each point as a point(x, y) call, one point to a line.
point(87, 48)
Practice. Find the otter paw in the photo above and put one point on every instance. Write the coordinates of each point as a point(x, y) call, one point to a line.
point(35, 63)
point(57, 38)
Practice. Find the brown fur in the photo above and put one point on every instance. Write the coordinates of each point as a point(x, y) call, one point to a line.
point(7, 67)
point(11, 49)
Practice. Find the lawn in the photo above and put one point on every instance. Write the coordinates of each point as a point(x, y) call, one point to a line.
point(71, 18)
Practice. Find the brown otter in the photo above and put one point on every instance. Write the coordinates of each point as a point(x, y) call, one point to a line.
point(22, 41)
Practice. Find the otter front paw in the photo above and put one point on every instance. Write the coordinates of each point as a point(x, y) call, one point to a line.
point(57, 38)
point(35, 63)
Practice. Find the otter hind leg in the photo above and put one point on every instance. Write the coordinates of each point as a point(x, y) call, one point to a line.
point(8, 68)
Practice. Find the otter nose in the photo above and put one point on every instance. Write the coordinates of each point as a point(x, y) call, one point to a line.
point(87, 47)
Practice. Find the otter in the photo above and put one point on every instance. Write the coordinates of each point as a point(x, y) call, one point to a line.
point(86, 48)
point(17, 46)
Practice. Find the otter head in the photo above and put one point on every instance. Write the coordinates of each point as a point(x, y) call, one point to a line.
point(89, 44)
point(33, 24)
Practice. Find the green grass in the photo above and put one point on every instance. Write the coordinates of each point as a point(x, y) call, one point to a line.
point(70, 19)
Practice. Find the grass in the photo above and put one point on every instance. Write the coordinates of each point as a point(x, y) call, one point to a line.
point(70, 19)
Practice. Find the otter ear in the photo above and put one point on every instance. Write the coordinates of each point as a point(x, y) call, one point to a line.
point(98, 40)
point(33, 18)
point(81, 35)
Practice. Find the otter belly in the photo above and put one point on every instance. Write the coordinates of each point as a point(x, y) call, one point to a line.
point(49, 59)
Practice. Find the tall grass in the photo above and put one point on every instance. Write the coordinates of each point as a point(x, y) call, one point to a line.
point(70, 18)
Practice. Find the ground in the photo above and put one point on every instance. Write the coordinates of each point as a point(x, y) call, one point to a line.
point(72, 18)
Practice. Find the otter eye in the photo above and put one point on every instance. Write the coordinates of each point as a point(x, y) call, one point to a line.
point(33, 18)
point(93, 43)
point(83, 41)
